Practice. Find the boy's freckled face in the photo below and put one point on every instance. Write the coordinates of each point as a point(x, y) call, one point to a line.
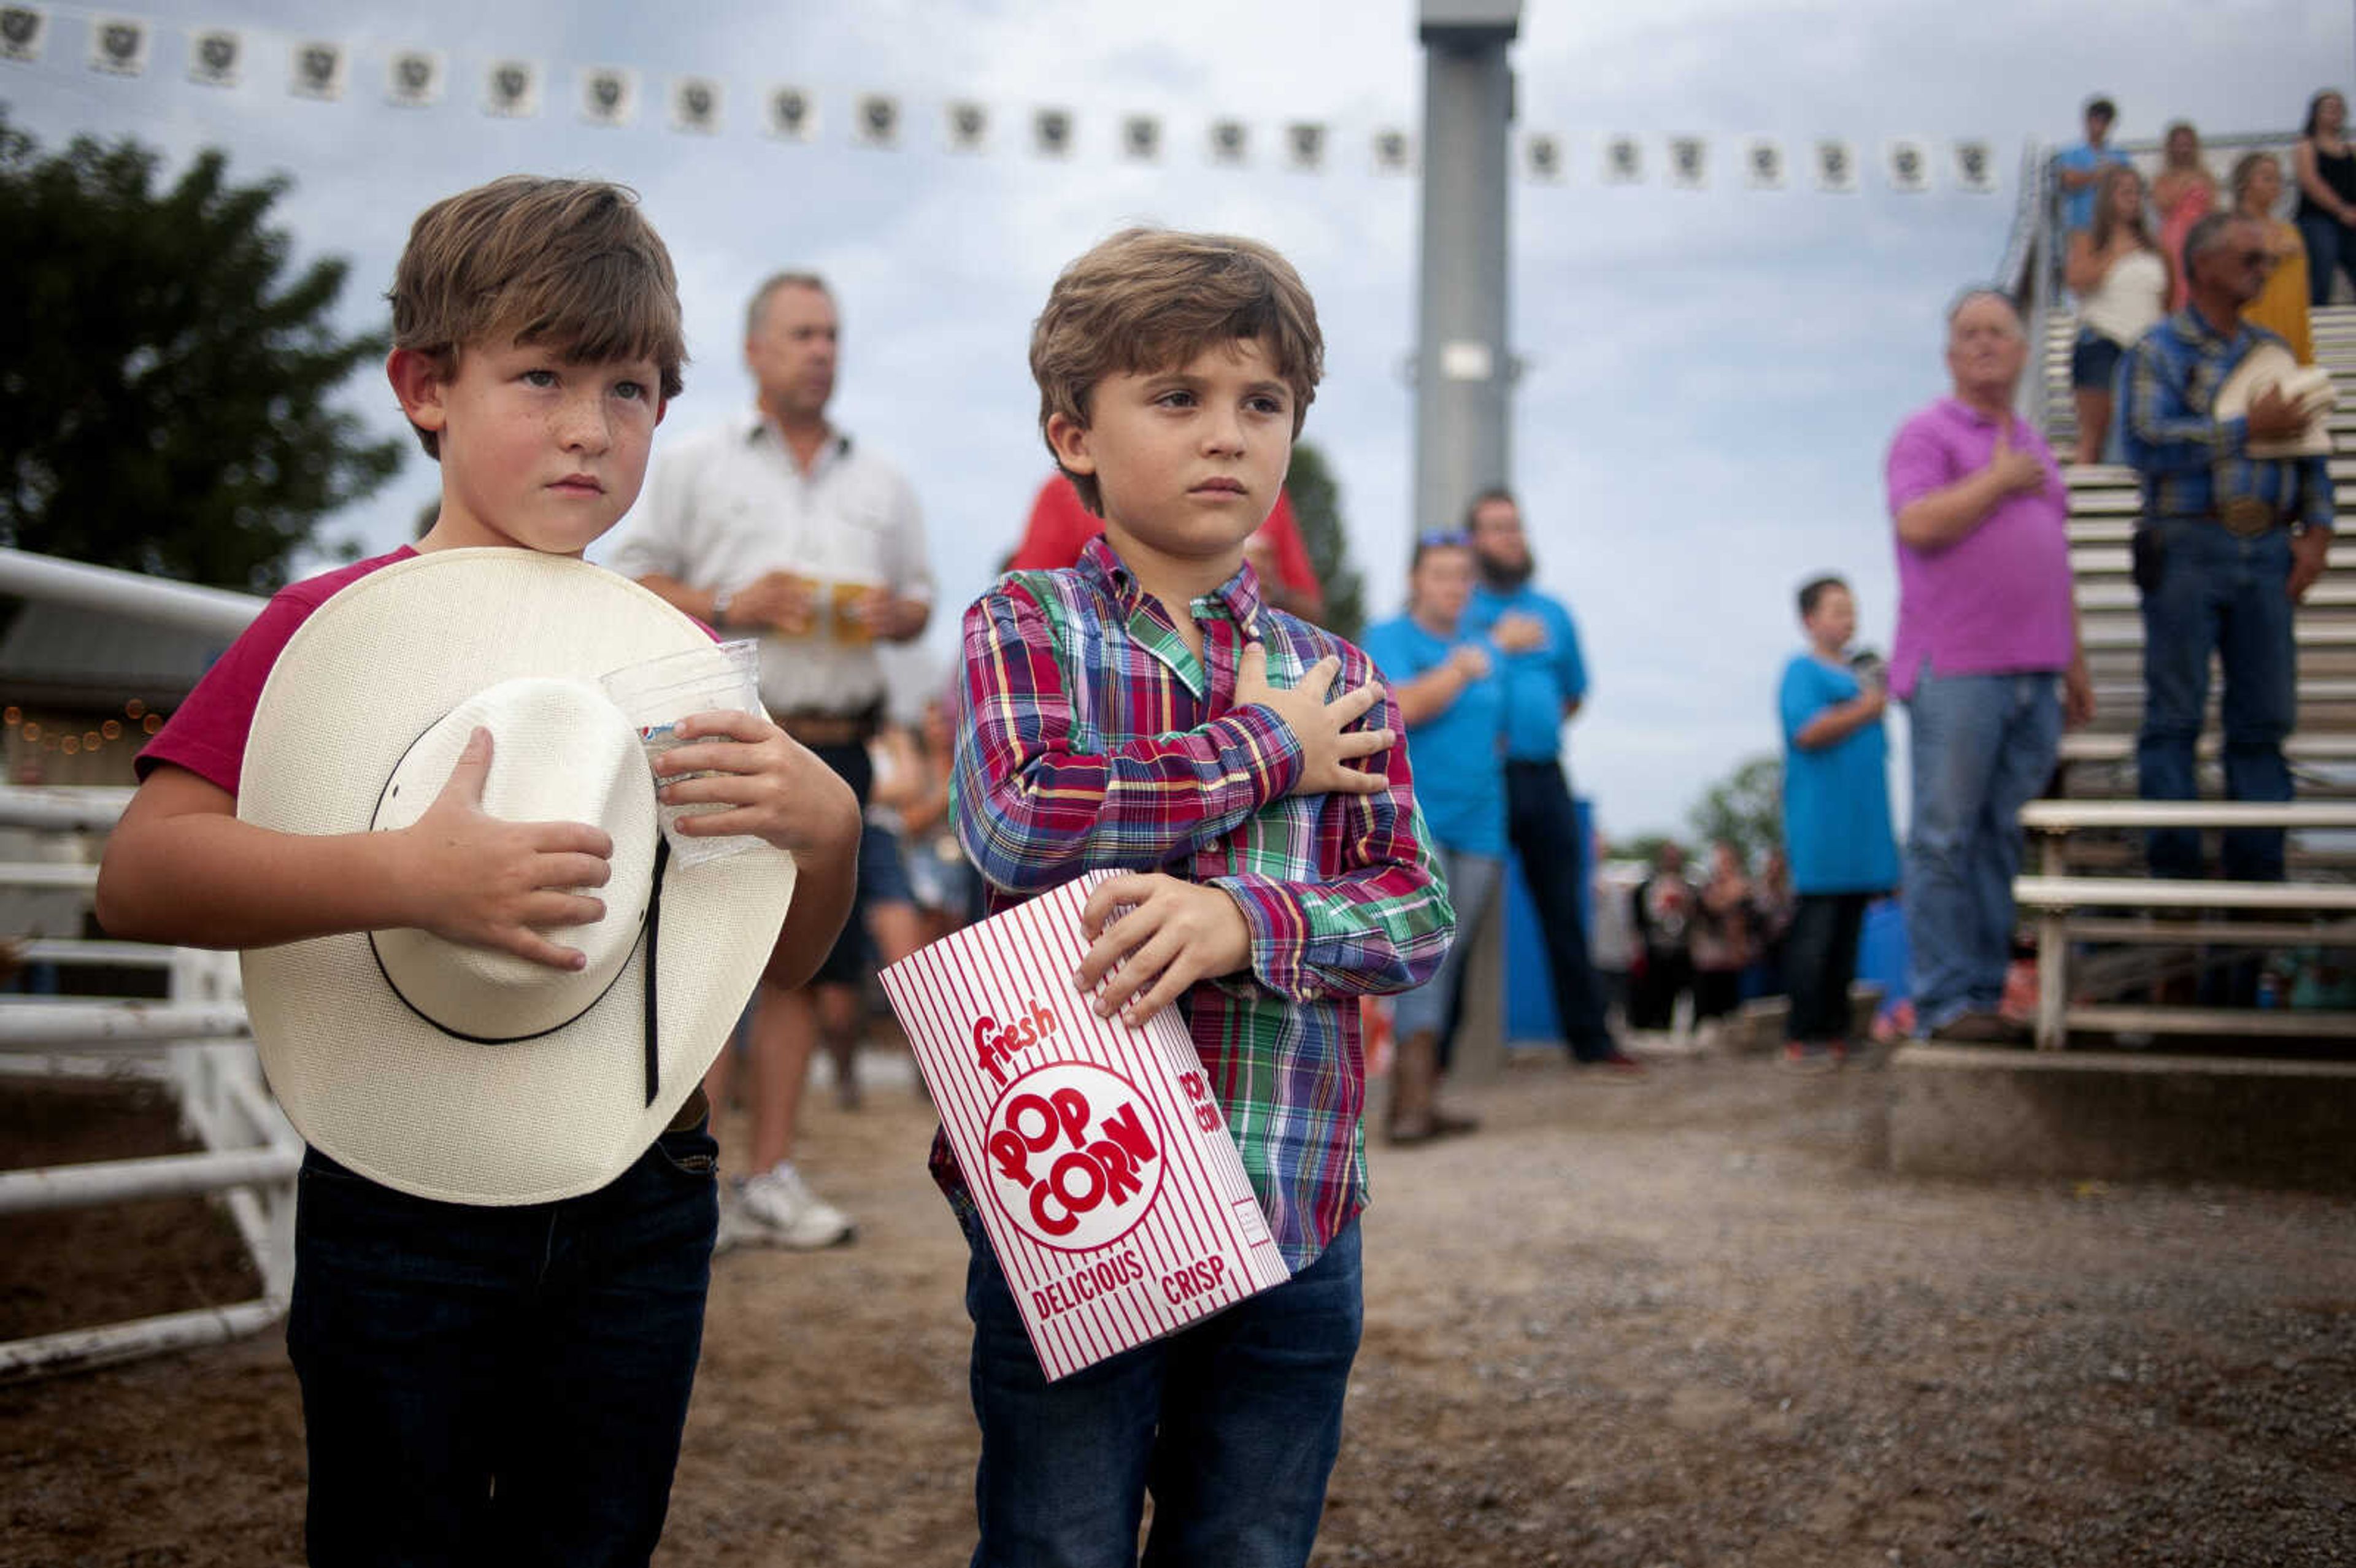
point(1190, 457)
point(538, 453)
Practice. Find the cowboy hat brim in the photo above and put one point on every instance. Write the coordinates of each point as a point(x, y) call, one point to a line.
point(363, 1077)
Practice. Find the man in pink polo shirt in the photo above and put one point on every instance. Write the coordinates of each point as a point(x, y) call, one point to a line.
point(1987, 662)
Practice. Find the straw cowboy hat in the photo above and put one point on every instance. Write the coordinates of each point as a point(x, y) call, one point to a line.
point(455, 1072)
point(2308, 388)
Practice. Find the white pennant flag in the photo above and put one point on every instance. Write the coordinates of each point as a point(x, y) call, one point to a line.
point(1836, 165)
point(511, 89)
point(966, 126)
point(1140, 139)
point(118, 45)
point(1910, 168)
point(1051, 133)
point(609, 95)
point(316, 69)
point(1623, 161)
point(1688, 163)
point(1762, 164)
point(215, 56)
point(1230, 141)
point(695, 104)
point(24, 31)
point(1304, 146)
point(876, 119)
point(414, 78)
point(792, 113)
point(1543, 156)
point(1976, 168)
point(1394, 151)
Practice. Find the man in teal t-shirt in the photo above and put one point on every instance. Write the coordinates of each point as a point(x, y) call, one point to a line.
point(1835, 820)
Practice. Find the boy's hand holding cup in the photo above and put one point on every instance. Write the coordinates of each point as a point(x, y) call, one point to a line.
point(687, 708)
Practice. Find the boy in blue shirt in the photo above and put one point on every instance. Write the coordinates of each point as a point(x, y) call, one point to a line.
point(1836, 820)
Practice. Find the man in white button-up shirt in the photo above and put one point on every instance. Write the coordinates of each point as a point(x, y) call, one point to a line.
point(779, 525)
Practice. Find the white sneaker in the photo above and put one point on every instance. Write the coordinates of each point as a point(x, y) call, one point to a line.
point(776, 1208)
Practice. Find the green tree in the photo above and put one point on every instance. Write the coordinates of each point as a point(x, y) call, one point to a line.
point(1317, 507)
point(164, 401)
point(1746, 808)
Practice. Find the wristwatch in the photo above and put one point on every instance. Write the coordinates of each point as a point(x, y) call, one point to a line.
point(720, 607)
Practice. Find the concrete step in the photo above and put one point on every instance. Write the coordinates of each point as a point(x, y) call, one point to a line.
point(1987, 1113)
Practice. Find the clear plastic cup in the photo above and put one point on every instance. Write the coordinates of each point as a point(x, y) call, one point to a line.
point(656, 695)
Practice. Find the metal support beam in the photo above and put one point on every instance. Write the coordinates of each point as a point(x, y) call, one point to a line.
point(1463, 366)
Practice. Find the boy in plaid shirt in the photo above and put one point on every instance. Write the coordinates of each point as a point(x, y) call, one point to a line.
point(1144, 711)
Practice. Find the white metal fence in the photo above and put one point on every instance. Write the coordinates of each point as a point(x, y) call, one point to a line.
point(193, 1041)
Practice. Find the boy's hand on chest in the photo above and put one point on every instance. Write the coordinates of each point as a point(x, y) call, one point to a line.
point(1322, 727)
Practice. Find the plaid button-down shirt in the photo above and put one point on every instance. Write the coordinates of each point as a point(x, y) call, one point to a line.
point(2185, 454)
point(1090, 738)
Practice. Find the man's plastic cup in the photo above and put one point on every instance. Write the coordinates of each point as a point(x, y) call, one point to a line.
point(656, 695)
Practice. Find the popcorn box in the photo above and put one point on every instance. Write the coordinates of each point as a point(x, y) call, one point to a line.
point(1099, 1160)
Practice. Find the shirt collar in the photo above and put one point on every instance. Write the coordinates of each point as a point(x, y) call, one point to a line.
point(2196, 329)
point(755, 428)
point(1239, 595)
point(1958, 408)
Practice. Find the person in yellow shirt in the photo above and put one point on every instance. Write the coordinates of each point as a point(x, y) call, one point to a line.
point(2257, 187)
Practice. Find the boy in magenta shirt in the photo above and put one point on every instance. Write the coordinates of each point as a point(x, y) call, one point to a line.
point(485, 1383)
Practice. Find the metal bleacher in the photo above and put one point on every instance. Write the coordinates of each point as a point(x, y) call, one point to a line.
point(2110, 939)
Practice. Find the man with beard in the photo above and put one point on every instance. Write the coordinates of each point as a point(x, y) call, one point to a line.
point(1544, 681)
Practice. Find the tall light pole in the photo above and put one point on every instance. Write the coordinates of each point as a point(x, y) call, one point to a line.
point(1463, 364)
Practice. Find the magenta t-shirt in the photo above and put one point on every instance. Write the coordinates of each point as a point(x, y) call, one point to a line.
point(1996, 601)
point(207, 734)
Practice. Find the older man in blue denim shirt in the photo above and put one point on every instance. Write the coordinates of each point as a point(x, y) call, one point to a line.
point(2227, 547)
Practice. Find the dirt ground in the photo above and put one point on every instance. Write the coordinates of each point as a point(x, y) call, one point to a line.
point(1675, 1322)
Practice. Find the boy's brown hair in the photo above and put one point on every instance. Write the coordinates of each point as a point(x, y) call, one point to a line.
point(1147, 299)
point(570, 263)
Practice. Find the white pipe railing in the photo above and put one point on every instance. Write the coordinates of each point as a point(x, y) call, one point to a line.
point(197, 1042)
point(215, 609)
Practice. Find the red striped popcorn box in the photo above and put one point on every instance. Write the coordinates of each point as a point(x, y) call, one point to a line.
point(1096, 1154)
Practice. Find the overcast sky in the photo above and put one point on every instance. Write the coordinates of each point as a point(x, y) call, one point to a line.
point(1711, 379)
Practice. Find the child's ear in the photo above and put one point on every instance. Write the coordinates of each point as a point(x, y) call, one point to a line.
point(1067, 438)
point(419, 380)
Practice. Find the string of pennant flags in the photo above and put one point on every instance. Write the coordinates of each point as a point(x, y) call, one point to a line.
point(518, 86)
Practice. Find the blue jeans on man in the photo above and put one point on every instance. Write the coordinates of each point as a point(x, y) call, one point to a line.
point(499, 1385)
point(2205, 590)
point(1233, 1423)
point(1983, 747)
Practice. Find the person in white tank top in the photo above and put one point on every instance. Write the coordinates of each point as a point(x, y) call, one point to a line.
point(2122, 280)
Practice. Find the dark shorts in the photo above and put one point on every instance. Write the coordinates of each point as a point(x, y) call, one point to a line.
point(2095, 361)
point(847, 963)
point(883, 874)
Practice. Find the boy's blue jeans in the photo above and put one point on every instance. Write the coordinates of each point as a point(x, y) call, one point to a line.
point(1983, 746)
point(1233, 1423)
point(499, 1385)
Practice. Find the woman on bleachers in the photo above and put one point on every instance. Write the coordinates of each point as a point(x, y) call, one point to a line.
point(2281, 307)
point(2185, 192)
point(2326, 168)
point(2122, 282)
